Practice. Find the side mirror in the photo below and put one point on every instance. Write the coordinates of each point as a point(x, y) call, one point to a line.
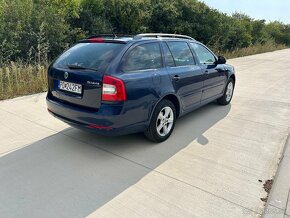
point(221, 60)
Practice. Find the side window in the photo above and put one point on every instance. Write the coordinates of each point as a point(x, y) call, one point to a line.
point(203, 54)
point(168, 56)
point(143, 57)
point(181, 53)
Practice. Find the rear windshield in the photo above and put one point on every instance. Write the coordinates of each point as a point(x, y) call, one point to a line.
point(89, 55)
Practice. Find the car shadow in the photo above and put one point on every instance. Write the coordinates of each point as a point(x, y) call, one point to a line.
point(137, 148)
point(72, 173)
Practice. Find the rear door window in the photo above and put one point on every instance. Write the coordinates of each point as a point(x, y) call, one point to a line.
point(181, 53)
point(89, 55)
point(143, 57)
point(169, 61)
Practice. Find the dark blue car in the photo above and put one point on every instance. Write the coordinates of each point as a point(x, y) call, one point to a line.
point(121, 85)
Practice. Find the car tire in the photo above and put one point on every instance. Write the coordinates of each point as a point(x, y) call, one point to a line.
point(162, 122)
point(228, 93)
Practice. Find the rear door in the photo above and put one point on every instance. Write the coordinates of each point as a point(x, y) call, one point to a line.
point(214, 74)
point(142, 68)
point(185, 74)
point(76, 76)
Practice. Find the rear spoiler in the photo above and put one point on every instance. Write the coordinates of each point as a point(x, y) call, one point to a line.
point(111, 36)
point(101, 40)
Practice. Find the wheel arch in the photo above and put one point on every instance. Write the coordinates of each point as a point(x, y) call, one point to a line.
point(171, 97)
point(233, 77)
point(175, 101)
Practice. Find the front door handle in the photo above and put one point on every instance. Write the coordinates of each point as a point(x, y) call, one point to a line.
point(206, 72)
point(176, 78)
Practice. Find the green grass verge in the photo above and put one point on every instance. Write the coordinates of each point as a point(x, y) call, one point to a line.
point(254, 49)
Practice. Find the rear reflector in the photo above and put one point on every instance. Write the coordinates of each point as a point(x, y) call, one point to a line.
point(93, 126)
point(113, 89)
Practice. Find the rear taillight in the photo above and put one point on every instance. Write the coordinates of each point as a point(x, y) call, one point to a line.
point(113, 89)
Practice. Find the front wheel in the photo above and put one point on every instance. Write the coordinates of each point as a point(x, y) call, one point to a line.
point(162, 122)
point(228, 93)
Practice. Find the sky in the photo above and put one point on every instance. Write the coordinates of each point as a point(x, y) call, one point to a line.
point(270, 10)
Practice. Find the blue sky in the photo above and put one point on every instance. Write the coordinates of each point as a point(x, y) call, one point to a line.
point(269, 10)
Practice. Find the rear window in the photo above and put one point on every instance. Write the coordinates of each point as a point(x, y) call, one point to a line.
point(89, 55)
point(143, 57)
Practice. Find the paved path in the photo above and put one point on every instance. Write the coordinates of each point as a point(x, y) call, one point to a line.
point(210, 167)
point(278, 205)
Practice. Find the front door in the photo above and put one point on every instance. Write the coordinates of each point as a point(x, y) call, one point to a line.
point(214, 74)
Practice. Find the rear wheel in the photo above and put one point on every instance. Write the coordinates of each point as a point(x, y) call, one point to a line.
point(228, 93)
point(162, 122)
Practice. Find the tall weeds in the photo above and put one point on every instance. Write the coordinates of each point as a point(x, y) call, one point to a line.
point(26, 77)
point(253, 49)
point(17, 79)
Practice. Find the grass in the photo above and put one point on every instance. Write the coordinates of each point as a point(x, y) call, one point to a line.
point(18, 79)
point(251, 50)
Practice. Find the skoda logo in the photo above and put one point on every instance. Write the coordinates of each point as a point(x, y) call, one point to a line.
point(65, 75)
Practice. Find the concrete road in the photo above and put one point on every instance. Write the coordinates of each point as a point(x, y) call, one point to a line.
point(210, 167)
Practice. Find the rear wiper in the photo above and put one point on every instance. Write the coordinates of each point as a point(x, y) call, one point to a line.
point(72, 66)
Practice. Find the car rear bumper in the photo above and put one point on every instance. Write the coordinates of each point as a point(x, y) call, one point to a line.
point(107, 120)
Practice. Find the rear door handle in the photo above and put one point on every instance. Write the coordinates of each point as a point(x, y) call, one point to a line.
point(206, 72)
point(176, 78)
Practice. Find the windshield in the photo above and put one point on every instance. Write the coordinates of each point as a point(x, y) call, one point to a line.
point(88, 55)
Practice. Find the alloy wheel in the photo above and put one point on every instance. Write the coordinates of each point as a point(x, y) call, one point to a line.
point(229, 92)
point(164, 122)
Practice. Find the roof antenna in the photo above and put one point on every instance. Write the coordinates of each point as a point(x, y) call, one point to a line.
point(113, 33)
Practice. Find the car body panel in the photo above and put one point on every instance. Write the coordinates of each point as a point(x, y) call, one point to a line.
point(214, 81)
point(90, 81)
point(189, 84)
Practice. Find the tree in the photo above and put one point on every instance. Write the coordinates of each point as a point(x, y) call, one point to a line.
point(39, 30)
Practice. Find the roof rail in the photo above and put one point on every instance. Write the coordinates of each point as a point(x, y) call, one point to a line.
point(159, 35)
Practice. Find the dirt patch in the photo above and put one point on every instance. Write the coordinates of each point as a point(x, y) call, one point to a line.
point(267, 187)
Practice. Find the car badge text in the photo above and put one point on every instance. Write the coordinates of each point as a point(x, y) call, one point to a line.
point(93, 83)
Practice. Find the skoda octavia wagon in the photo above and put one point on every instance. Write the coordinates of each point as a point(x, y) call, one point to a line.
point(120, 85)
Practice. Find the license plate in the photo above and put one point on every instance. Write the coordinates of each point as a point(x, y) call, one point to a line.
point(70, 87)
